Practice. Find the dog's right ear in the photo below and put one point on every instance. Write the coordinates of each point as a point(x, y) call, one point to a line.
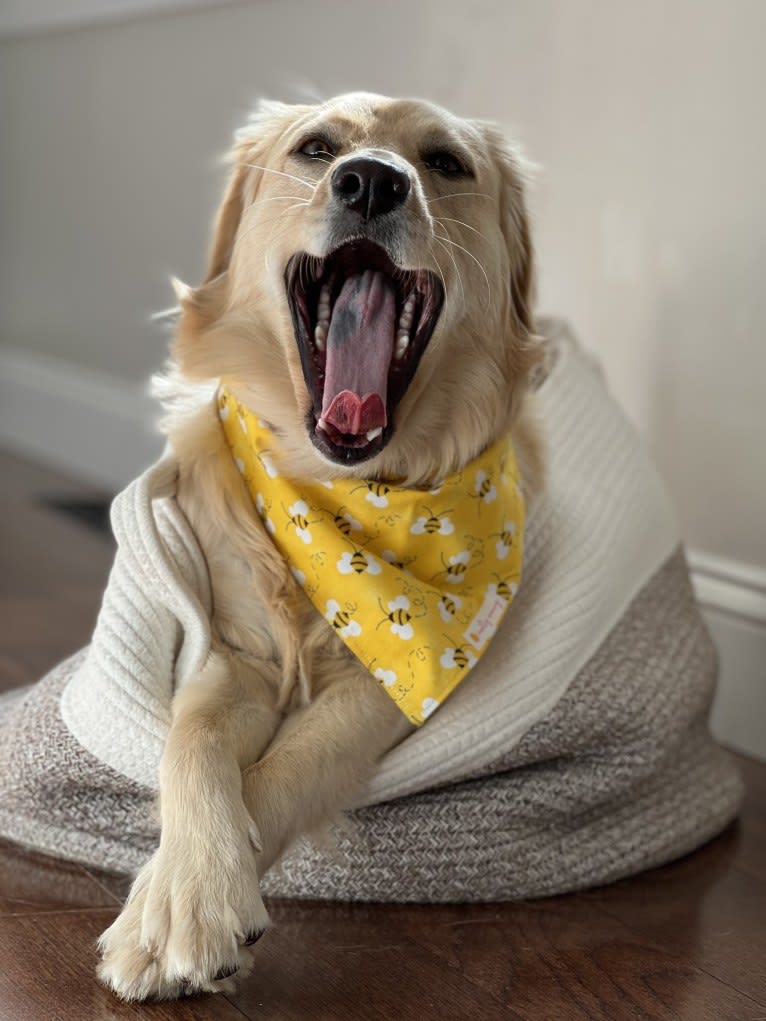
point(244, 180)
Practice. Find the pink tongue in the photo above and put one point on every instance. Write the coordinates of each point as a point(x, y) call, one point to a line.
point(359, 349)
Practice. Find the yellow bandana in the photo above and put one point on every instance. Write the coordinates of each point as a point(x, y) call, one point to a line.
point(415, 582)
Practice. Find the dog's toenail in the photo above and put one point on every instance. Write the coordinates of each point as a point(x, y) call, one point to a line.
point(226, 972)
point(253, 937)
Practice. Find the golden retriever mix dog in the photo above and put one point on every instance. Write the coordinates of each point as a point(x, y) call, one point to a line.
point(421, 217)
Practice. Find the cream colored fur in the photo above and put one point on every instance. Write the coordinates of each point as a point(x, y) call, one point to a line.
point(283, 727)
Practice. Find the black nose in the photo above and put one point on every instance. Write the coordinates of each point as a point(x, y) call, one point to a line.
point(369, 186)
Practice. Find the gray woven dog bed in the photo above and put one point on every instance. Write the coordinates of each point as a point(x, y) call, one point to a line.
point(577, 752)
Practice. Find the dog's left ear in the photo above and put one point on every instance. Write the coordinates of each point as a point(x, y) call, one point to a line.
point(228, 216)
point(244, 180)
point(514, 224)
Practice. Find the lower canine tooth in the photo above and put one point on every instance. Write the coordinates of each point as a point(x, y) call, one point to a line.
point(402, 340)
point(320, 335)
point(374, 433)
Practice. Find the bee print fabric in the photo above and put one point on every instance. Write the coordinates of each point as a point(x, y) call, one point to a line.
point(414, 581)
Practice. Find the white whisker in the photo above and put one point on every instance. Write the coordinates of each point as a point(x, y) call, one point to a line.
point(452, 219)
point(458, 194)
point(270, 238)
point(454, 263)
point(441, 272)
point(281, 173)
point(272, 219)
point(283, 198)
point(470, 256)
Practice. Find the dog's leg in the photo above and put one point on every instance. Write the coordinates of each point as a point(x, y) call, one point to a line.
point(320, 760)
point(197, 902)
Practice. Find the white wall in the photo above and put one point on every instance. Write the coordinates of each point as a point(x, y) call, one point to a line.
point(647, 120)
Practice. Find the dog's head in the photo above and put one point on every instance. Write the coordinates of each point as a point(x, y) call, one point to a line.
point(369, 285)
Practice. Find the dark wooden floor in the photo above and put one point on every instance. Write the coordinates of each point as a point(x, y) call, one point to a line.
point(687, 941)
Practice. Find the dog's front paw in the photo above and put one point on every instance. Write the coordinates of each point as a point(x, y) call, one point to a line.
point(188, 923)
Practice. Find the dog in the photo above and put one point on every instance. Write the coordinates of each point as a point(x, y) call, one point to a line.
point(415, 221)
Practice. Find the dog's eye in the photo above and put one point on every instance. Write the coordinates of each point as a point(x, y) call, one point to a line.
point(318, 149)
point(446, 163)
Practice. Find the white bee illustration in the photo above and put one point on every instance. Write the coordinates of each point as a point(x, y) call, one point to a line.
point(391, 557)
point(400, 617)
point(505, 540)
point(388, 677)
point(448, 607)
point(433, 524)
point(358, 562)
point(505, 589)
point(457, 566)
point(268, 466)
point(297, 513)
point(263, 512)
point(377, 493)
point(342, 620)
point(457, 657)
point(346, 523)
point(484, 488)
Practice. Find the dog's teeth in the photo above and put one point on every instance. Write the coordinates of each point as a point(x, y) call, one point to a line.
point(322, 424)
point(320, 335)
point(325, 297)
point(406, 315)
point(402, 340)
point(374, 433)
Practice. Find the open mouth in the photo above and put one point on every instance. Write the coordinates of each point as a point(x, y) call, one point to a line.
point(361, 324)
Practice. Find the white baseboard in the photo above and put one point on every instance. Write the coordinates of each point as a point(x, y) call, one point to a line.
point(96, 427)
point(733, 600)
point(99, 428)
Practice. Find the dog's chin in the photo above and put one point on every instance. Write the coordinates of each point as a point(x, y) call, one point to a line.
point(361, 325)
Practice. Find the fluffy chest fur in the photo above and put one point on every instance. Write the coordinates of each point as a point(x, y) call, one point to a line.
point(259, 613)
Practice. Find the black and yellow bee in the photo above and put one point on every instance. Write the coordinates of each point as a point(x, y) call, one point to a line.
point(449, 604)
point(390, 558)
point(340, 619)
point(343, 524)
point(505, 537)
point(504, 590)
point(484, 487)
point(457, 656)
point(299, 520)
point(358, 562)
point(460, 656)
point(377, 493)
point(378, 488)
point(458, 565)
point(399, 616)
point(432, 525)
